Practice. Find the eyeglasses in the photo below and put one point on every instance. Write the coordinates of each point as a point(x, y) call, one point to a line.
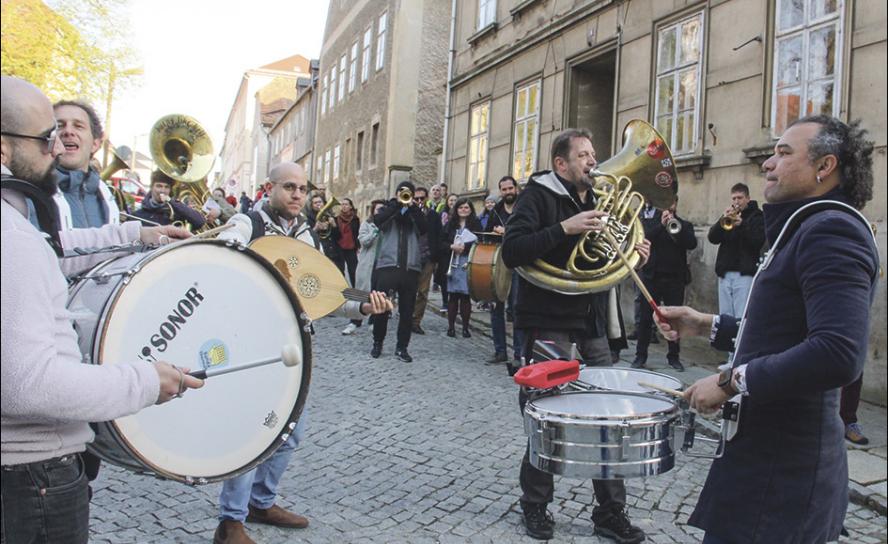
point(49, 138)
point(419, 198)
point(291, 188)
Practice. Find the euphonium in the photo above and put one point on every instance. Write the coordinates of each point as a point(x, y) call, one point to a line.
point(594, 265)
point(405, 196)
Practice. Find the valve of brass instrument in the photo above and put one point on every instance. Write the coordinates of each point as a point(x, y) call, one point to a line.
point(405, 196)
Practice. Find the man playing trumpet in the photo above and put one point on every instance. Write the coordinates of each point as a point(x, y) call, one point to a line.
point(740, 234)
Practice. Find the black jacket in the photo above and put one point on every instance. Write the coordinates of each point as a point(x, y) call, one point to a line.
point(669, 253)
point(740, 247)
point(430, 241)
point(535, 232)
point(157, 212)
point(498, 216)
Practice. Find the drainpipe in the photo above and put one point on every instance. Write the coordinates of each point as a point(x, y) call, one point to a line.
point(450, 56)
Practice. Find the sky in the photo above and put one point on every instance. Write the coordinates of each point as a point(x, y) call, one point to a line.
point(194, 53)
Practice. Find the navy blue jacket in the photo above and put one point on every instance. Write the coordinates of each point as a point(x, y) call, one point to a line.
point(784, 477)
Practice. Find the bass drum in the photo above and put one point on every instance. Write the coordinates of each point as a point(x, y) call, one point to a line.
point(201, 304)
point(489, 279)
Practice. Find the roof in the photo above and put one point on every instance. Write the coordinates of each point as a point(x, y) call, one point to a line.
point(295, 63)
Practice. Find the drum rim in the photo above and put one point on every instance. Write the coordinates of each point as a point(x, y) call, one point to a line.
point(292, 418)
point(531, 409)
point(593, 387)
point(491, 287)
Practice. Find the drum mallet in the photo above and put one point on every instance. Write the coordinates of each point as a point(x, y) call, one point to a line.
point(291, 356)
point(641, 287)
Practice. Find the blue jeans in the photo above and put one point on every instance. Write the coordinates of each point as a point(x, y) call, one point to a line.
point(46, 501)
point(498, 324)
point(733, 290)
point(258, 487)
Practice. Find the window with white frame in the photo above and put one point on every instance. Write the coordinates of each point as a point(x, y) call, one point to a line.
point(380, 40)
point(336, 162)
point(353, 67)
point(679, 61)
point(807, 60)
point(527, 130)
point(365, 54)
point(478, 137)
point(343, 63)
point(324, 96)
point(327, 167)
point(486, 13)
point(332, 87)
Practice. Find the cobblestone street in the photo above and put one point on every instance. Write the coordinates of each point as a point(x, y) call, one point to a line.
point(421, 452)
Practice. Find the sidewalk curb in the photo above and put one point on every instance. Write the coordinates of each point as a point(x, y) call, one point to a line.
point(857, 493)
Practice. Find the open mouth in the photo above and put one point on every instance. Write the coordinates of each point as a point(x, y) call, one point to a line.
point(71, 146)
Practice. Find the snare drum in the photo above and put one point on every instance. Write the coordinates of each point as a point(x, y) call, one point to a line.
point(601, 435)
point(200, 304)
point(489, 279)
point(624, 380)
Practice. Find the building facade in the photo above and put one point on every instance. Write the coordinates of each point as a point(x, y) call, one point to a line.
point(381, 96)
point(291, 137)
point(262, 91)
point(720, 79)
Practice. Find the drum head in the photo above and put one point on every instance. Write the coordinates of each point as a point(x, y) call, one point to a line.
point(625, 379)
point(207, 305)
point(602, 405)
point(502, 276)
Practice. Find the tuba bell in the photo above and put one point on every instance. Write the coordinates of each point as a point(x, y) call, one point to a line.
point(182, 150)
point(642, 170)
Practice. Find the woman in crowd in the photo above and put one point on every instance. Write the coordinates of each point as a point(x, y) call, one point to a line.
point(347, 224)
point(367, 235)
point(455, 253)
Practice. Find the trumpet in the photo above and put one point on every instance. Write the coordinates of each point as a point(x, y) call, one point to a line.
point(673, 226)
point(727, 221)
point(405, 196)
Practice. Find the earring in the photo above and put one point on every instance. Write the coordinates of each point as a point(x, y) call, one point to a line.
point(819, 180)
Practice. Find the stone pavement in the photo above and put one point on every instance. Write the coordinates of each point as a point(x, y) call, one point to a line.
point(421, 452)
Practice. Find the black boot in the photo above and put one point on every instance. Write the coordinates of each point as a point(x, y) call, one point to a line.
point(640, 360)
point(618, 527)
point(538, 522)
point(376, 351)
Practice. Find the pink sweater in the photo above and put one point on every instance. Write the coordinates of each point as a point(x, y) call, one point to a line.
point(48, 394)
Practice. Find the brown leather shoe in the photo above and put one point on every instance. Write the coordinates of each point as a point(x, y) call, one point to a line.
point(231, 532)
point(278, 517)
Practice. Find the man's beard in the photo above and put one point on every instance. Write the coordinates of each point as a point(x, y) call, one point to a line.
point(45, 181)
point(509, 199)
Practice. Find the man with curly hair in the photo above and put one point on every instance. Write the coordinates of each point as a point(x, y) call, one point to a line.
point(784, 473)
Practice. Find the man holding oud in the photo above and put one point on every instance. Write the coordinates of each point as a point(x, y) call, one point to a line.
point(556, 208)
point(251, 496)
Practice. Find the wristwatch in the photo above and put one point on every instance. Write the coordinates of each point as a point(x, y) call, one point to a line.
point(725, 381)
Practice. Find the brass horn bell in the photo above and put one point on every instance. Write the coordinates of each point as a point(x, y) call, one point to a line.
point(642, 170)
point(181, 148)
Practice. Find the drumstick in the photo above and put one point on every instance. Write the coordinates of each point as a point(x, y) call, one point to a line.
point(213, 232)
point(641, 287)
point(660, 388)
point(128, 216)
point(291, 356)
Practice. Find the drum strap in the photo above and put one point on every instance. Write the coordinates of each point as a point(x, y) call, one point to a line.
point(45, 206)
